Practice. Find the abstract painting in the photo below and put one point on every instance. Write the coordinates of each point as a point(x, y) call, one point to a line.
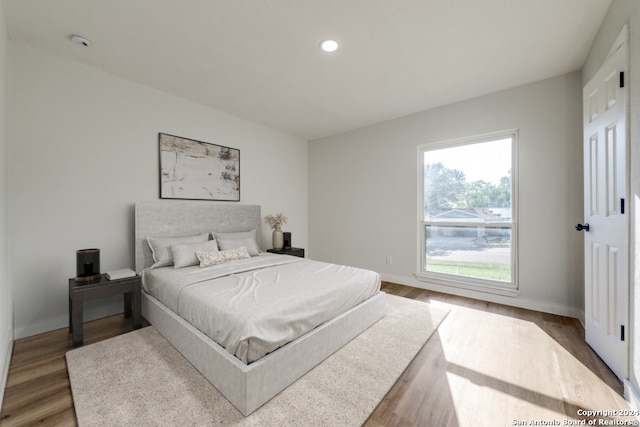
point(198, 170)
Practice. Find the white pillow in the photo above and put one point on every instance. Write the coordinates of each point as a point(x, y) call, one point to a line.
point(236, 240)
point(227, 244)
point(213, 258)
point(184, 255)
point(161, 247)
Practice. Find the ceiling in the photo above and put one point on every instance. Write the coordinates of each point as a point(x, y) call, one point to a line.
point(260, 59)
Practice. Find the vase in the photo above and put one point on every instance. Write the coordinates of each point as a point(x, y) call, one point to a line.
point(277, 238)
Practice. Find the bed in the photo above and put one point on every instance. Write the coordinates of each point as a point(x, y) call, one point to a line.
point(249, 371)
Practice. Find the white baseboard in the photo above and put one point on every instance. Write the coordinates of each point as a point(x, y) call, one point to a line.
point(6, 346)
point(50, 324)
point(529, 304)
point(101, 308)
point(632, 395)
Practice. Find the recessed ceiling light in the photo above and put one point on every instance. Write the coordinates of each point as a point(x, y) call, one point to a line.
point(329, 45)
point(80, 40)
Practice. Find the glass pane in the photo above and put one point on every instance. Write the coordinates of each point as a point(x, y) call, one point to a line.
point(469, 182)
point(480, 252)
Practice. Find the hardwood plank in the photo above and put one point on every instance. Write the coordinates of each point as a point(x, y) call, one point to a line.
point(34, 390)
point(489, 364)
point(41, 411)
point(486, 365)
point(23, 373)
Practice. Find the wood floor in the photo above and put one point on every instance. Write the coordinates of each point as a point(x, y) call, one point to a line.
point(486, 365)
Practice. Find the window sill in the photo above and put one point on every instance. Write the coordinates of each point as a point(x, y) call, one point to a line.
point(506, 290)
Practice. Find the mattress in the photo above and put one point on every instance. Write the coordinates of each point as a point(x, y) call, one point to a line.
point(252, 307)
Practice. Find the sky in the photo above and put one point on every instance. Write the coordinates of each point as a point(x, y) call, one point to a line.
point(487, 161)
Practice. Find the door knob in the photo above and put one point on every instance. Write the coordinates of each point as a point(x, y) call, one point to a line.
point(581, 227)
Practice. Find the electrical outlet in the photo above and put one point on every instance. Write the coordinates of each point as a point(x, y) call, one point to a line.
point(389, 259)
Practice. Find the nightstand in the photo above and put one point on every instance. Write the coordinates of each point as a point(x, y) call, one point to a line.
point(79, 292)
point(291, 251)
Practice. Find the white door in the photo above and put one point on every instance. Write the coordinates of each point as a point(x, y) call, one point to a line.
point(606, 210)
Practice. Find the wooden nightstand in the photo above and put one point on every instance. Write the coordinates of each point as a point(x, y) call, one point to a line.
point(291, 251)
point(130, 287)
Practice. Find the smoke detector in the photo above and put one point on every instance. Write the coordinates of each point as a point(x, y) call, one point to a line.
point(80, 40)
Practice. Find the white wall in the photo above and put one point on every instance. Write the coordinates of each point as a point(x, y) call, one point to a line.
point(627, 12)
point(363, 190)
point(6, 297)
point(83, 146)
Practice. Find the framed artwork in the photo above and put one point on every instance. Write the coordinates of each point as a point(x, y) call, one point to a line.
point(198, 170)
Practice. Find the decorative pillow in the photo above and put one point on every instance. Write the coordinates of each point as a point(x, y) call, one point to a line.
point(161, 247)
point(243, 238)
point(212, 258)
point(184, 255)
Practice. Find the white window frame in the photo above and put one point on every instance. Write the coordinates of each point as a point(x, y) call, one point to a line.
point(464, 282)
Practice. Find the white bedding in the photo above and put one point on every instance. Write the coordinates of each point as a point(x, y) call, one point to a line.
point(251, 307)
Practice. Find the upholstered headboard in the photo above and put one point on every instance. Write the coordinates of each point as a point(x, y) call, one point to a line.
point(170, 218)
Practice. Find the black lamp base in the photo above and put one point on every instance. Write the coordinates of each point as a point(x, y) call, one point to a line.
point(87, 265)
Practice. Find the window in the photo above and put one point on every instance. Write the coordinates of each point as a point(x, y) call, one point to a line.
point(467, 219)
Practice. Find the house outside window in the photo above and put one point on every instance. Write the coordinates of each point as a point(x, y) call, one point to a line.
point(467, 224)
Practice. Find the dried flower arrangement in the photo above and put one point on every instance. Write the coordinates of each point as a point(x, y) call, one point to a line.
point(275, 221)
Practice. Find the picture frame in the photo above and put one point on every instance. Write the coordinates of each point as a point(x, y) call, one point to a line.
point(197, 170)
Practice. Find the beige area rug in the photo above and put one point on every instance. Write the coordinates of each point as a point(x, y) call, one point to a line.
point(139, 379)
